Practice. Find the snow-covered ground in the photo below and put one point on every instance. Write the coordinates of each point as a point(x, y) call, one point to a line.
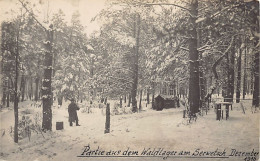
point(138, 131)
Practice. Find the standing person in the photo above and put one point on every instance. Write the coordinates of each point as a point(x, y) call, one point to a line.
point(72, 109)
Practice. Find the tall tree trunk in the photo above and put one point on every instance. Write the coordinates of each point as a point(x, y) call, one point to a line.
point(135, 62)
point(46, 84)
point(255, 101)
point(153, 92)
point(252, 77)
point(245, 73)
point(194, 95)
point(225, 88)
point(226, 85)
point(229, 83)
point(22, 87)
point(121, 101)
point(31, 89)
point(177, 88)
point(125, 98)
point(36, 89)
point(148, 96)
point(232, 73)
point(134, 90)
point(201, 74)
point(11, 87)
point(200, 70)
point(4, 96)
point(8, 94)
point(40, 90)
point(78, 86)
point(153, 100)
point(16, 89)
point(202, 87)
point(238, 77)
point(140, 102)
point(129, 101)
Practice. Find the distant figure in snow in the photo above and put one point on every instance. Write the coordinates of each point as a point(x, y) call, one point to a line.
point(72, 109)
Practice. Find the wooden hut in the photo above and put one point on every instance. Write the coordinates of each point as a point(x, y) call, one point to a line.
point(165, 101)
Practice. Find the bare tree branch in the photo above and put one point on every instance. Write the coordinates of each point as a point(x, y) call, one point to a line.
point(216, 14)
point(183, 48)
point(215, 66)
point(24, 6)
point(162, 4)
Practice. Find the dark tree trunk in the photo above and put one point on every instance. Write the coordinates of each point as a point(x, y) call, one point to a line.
point(201, 78)
point(8, 94)
point(153, 91)
point(232, 74)
point(16, 90)
point(135, 62)
point(148, 96)
point(4, 96)
point(177, 88)
point(202, 87)
point(129, 101)
point(226, 92)
point(202, 82)
point(133, 94)
point(140, 102)
point(121, 101)
point(255, 101)
point(107, 124)
point(245, 75)
point(194, 95)
point(46, 84)
point(36, 89)
point(252, 79)
point(125, 98)
point(78, 83)
point(153, 101)
point(8, 100)
point(40, 90)
point(22, 87)
point(105, 101)
point(229, 83)
point(31, 89)
point(238, 77)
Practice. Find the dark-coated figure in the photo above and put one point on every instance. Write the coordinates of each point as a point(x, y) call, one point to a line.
point(72, 109)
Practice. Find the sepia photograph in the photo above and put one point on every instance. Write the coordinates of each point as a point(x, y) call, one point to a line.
point(129, 80)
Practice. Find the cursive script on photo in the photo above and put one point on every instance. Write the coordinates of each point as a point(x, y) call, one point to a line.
point(250, 155)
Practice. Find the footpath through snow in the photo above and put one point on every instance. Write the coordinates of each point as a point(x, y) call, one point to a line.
point(149, 131)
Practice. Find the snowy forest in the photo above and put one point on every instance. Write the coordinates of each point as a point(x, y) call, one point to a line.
point(154, 73)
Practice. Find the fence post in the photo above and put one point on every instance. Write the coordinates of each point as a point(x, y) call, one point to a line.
point(107, 125)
